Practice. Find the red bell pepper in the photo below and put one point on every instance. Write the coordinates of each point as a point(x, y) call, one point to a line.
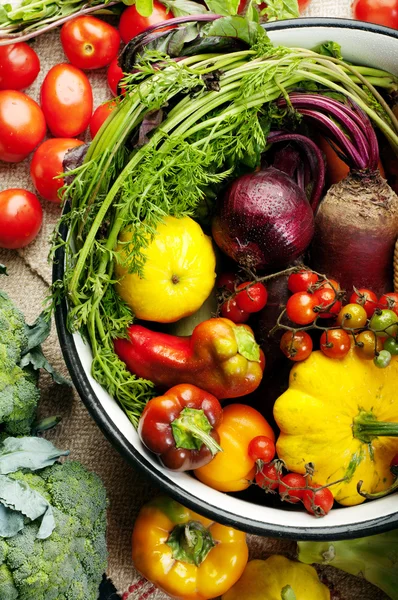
point(221, 357)
point(180, 427)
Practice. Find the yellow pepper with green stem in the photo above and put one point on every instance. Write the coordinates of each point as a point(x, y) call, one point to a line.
point(341, 416)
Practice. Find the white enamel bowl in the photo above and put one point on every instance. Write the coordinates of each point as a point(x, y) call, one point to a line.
point(363, 44)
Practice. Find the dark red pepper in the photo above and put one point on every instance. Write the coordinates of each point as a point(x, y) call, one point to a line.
point(180, 427)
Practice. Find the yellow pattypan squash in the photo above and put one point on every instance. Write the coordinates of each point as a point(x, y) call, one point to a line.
point(342, 416)
point(178, 273)
point(277, 578)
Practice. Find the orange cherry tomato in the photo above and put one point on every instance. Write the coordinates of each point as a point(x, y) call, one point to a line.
point(67, 100)
point(233, 469)
point(47, 164)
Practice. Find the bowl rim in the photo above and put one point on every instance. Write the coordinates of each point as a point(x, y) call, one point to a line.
point(129, 452)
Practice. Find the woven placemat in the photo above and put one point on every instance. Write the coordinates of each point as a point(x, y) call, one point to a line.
point(27, 284)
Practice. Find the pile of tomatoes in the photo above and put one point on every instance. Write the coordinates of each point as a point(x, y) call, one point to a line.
point(65, 111)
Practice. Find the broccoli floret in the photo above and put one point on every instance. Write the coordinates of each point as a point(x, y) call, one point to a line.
point(12, 328)
point(70, 563)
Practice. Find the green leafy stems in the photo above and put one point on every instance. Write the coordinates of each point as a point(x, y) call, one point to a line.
point(204, 137)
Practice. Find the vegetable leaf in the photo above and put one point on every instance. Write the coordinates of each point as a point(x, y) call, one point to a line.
point(36, 359)
point(247, 345)
point(237, 27)
point(223, 7)
point(28, 453)
point(10, 522)
point(37, 333)
point(181, 8)
point(144, 7)
point(18, 496)
point(3, 270)
point(278, 10)
point(329, 49)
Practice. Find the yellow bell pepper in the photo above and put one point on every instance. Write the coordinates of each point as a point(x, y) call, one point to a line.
point(342, 416)
point(278, 578)
point(186, 555)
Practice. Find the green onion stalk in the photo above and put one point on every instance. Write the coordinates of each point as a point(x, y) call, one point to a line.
point(203, 136)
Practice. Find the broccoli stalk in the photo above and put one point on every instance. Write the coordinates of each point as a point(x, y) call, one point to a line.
point(375, 558)
point(69, 562)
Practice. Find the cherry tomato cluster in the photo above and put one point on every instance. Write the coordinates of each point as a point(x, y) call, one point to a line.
point(239, 300)
point(292, 487)
point(371, 324)
point(65, 110)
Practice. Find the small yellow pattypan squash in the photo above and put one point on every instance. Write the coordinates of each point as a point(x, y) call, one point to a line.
point(342, 416)
point(278, 578)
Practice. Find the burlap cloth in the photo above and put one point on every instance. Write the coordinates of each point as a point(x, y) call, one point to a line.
point(27, 284)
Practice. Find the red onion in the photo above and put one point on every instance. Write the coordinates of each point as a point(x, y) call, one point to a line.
point(265, 219)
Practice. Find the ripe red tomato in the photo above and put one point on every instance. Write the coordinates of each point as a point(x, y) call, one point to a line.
point(47, 164)
point(301, 281)
point(261, 448)
point(22, 125)
point(230, 310)
point(389, 301)
point(267, 477)
point(292, 480)
point(19, 66)
point(296, 345)
point(114, 75)
point(67, 100)
point(382, 12)
point(300, 308)
point(326, 298)
point(335, 343)
point(100, 115)
point(89, 43)
point(318, 503)
point(132, 23)
point(21, 216)
point(365, 298)
point(253, 298)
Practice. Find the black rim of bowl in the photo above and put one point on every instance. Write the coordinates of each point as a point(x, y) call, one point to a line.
point(131, 454)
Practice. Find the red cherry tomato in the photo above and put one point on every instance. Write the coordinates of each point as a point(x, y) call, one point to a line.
point(292, 480)
point(318, 502)
point(21, 216)
point(389, 301)
point(330, 284)
point(22, 125)
point(230, 310)
point(261, 448)
point(301, 281)
point(19, 66)
point(114, 75)
point(67, 100)
point(365, 298)
point(326, 298)
point(335, 343)
point(296, 345)
point(382, 12)
point(100, 115)
point(89, 43)
point(300, 308)
point(132, 23)
point(226, 281)
point(267, 477)
point(253, 298)
point(47, 164)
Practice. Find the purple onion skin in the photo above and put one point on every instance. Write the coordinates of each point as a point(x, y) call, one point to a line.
point(265, 220)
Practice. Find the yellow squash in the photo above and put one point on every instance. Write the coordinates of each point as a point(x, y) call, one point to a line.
point(278, 578)
point(178, 274)
point(342, 416)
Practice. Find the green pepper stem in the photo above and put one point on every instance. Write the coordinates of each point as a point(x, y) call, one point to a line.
point(376, 495)
point(192, 429)
point(288, 593)
point(191, 542)
point(366, 427)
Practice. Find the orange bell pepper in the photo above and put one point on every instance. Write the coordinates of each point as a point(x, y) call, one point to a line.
point(232, 469)
point(187, 556)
